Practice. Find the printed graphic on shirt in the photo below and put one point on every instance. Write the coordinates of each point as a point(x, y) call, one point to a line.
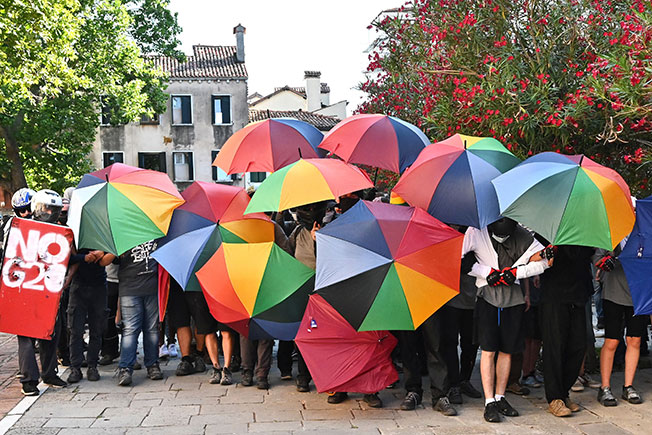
point(143, 252)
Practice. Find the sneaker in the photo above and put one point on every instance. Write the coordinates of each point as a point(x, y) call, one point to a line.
point(505, 408)
point(578, 386)
point(55, 381)
point(262, 384)
point(444, 406)
point(105, 360)
point(199, 364)
point(163, 352)
point(411, 401)
point(172, 350)
point(558, 408)
point(531, 382)
point(154, 372)
point(574, 407)
point(247, 378)
point(30, 389)
point(538, 376)
point(469, 390)
point(491, 413)
point(337, 397)
point(606, 397)
point(92, 374)
point(588, 381)
point(455, 395)
point(286, 376)
point(227, 377)
point(75, 375)
point(216, 376)
point(185, 367)
point(631, 395)
point(124, 377)
point(373, 400)
point(518, 389)
point(137, 365)
point(303, 386)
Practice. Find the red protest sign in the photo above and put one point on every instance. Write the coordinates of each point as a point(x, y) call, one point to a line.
point(33, 271)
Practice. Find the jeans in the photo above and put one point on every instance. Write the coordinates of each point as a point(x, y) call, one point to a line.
point(139, 313)
point(86, 302)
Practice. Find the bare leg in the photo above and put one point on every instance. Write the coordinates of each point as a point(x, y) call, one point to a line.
point(607, 360)
point(184, 336)
point(227, 347)
point(488, 373)
point(211, 347)
point(631, 358)
point(200, 340)
point(502, 372)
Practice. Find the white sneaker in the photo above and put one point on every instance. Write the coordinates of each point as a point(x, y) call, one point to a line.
point(163, 352)
point(172, 350)
point(577, 386)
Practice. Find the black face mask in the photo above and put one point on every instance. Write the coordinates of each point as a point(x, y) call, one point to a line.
point(307, 216)
point(347, 202)
point(63, 218)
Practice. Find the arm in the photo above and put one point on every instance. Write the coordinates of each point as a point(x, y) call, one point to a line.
point(106, 259)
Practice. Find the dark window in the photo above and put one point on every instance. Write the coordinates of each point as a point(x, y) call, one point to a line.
point(221, 109)
point(146, 119)
point(153, 161)
point(111, 158)
point(182, 166)
point(106, 112)
point(181, 109)
point(257, 177)
point(219, 174)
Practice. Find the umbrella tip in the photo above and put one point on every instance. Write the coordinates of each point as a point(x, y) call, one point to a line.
point(464, 143)
point(299, 149)
point(107, 177)
point(581, 158)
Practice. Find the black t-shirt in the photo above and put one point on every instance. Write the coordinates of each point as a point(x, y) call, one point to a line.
point(138, 272)
point(88, 274)
point(569, 279)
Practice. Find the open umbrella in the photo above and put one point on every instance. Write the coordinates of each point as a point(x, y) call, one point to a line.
point(257, 288)
point(340, 358)
point(569, 200)
point(385, 266)
point(452, 180)
point(376, 140)
point(119, 207)
point(212, 214)
point(267, 146)
point(636, 258)
point(305, 182)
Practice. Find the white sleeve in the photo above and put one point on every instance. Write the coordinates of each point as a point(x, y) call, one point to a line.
point(526, 268)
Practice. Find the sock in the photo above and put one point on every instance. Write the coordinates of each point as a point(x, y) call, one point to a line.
point(489, 400)
point(498, 397)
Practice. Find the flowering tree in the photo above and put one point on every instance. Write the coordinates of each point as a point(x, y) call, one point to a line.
point(571, 76)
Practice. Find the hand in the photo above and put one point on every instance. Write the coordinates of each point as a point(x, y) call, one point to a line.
point(548, 253)
point(508, 276)
point(493, 279)
point(527, 302)
point(93, 256)
point(606, 263)
point(536, 281)
point(315, 228)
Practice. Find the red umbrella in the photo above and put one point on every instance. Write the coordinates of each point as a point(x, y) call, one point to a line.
point(340, 358)
point(163, 292)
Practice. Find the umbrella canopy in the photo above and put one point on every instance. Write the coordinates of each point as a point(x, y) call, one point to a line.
point(376, 140)
point(257, 288)
point(305, 182)
point(636, 258)
point(452, 180)
point(385, 266)
point(341, 359)
point(119, 207)
point(212, 214)
point(267, 146)
point(569, 200)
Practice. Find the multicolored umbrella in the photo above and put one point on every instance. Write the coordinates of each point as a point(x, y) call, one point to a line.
point(305, 182)
point(452, 180)
point(119, 207)
point(569, 200)
point(376, 140)
point(267, 146)
point(257, 288)
point(341, 359)
point(636, 258)
point(212, 214)
point(385, 266)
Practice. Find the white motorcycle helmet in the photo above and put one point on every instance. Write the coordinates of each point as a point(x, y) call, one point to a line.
point(46, 206)
point(21, 201)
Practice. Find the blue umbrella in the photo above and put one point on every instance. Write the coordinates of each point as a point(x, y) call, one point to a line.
point(636, 258)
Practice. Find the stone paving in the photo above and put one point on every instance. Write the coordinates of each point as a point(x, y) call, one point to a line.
point(10, 393)
point(190, 405)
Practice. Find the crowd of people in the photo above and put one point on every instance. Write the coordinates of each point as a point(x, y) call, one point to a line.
point(527, 305)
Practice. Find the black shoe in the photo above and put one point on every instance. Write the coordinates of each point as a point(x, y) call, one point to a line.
point(185, 367)
point(154, 372)
point(236, 364)
point(373, 400)
point(105, 360)
point(491, 413)
point(469, 390)
point(91, 374)
point(606, 397)
point(337, 397)
point(199, 364)
point(227, 377)
point(505, 408)
point(303, 386)
point(631, 395)
point(247, 378)
point(518, 389)
point(75, 375)
point(262, 384)
point(124, 377)
point(216, 376)
point(455, 395)
point(444, 406)
point(30, 389)
point(411, 401)
point(55, 381)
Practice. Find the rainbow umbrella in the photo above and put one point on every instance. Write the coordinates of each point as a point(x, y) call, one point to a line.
point(569, 200)
point(387, 267)
point(119, 207)
point(258, 289)
point(305, 182)
point(376, 140)
point(212, 214)
point(452, 180)
point(636, 258)
point(267, 146)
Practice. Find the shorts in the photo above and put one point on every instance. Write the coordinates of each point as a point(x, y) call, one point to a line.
point(183, 305)
point(531, 325)
point(499, 329)
point(618, 317)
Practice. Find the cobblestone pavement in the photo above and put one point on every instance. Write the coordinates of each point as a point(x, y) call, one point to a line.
point(190, 405)
point(10, 393)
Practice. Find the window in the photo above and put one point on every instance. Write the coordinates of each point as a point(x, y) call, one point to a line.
point(218, 174)
point(106, 112)
point(147, 120)
point(221, 109)
point(181, 110)
point(112, 157)
point(183, 170)
point(257, 177)
point(153, 161)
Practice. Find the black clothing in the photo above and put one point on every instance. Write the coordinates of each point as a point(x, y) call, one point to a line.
point(183, 305)
point(110, 342)
point(28, 367)
point(87, 304)
point(499, 329)
point(459, 324)
point(138, 273)
point(284, 356)
point(618, 317)
point(88, 273)
point(569, 280)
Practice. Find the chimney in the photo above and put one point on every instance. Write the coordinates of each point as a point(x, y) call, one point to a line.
point(313, 90)
point(239, 32)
